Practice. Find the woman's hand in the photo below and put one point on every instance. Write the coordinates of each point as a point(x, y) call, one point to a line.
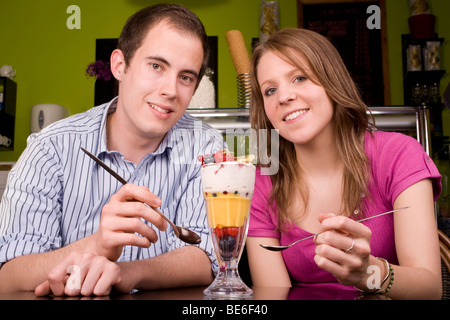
point(343, 249)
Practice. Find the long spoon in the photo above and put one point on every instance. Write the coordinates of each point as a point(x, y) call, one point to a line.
point(280, 248)
point(182, 233)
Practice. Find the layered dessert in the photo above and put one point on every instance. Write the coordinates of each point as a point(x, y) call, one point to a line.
point(228, 185)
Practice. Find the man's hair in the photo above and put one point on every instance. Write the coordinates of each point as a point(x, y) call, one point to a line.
point(179, 17)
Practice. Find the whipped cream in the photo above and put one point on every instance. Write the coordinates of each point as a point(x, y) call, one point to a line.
point(229, 177)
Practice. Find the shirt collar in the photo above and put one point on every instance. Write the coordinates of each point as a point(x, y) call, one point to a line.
point(169, 140)
point(109, 108)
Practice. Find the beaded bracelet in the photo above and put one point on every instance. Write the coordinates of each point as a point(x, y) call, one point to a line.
point(391, 274)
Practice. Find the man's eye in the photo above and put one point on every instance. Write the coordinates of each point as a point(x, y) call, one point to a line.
point(155, 66)
point(186, 78)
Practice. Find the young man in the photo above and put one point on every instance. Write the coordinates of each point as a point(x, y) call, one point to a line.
point(62, 213)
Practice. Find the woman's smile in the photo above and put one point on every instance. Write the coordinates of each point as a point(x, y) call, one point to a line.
point(296, 114)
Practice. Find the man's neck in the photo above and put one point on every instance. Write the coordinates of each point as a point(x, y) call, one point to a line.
point(133, 147)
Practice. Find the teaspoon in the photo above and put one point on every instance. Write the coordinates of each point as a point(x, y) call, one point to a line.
point(281, 248)
point(182, 233)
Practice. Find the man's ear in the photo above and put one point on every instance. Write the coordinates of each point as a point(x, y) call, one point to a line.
point(118, 64)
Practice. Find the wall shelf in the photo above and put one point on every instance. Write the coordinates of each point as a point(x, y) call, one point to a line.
point(423, 77)
point(8, 112)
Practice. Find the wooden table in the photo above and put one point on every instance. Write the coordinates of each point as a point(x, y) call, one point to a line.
point(196, 294)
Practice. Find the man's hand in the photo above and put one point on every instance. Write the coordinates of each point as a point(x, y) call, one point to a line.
point(81, 274)
point(121, 222)
point(94, 270)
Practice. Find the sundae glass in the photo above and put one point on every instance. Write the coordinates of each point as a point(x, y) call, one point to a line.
point(227, 186)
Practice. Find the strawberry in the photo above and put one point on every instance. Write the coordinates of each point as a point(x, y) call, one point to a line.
point(218, 232)
point(232, 231)
point(224, 155)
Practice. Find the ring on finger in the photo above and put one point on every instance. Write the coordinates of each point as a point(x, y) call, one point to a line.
point(351, 247)
point(315, 238)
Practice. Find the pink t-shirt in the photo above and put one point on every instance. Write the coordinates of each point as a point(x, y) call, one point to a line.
point(397, 162)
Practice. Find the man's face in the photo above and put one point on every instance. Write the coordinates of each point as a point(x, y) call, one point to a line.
point(158, 83)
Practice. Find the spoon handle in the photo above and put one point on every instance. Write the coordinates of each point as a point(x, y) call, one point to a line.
point(382, 214)
point(279, 248)
point(101, 163)
point(361, 220)
point(123, 181)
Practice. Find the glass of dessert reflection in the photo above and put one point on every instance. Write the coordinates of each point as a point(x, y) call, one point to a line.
point(228, 187)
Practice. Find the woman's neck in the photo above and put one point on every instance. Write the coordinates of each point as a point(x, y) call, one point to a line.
point(319, 159)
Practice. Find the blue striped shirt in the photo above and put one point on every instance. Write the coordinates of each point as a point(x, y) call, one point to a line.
point(55, 192)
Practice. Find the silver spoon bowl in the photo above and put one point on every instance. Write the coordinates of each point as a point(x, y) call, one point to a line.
point(281, 248)
point(182, 233)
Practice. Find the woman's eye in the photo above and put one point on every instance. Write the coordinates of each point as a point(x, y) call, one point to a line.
point(300, 79)
point(269, 91)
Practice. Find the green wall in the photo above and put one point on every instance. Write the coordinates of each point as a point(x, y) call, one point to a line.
point(51, 60)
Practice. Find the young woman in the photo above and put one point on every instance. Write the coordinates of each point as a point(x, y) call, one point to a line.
point(335, 168)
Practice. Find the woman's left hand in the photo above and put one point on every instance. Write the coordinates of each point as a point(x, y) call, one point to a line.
point(343, 249)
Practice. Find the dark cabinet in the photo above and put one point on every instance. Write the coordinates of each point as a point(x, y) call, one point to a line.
point(421, 70)
point(8, 92)
point(421, 81)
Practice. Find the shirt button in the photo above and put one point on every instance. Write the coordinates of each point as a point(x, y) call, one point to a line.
point(138, 175)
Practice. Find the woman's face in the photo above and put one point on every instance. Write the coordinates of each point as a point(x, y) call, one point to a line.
point(298, 108)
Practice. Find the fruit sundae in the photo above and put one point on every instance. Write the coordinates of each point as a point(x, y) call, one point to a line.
point(228, 185)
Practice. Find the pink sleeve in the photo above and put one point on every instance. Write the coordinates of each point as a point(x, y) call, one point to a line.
point(262, 218)
point(400, 161)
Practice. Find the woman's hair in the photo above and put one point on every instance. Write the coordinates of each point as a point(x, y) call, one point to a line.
point(138, 25)
point(351, 116)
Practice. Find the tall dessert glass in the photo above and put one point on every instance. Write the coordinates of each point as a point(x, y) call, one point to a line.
point(228, 189)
